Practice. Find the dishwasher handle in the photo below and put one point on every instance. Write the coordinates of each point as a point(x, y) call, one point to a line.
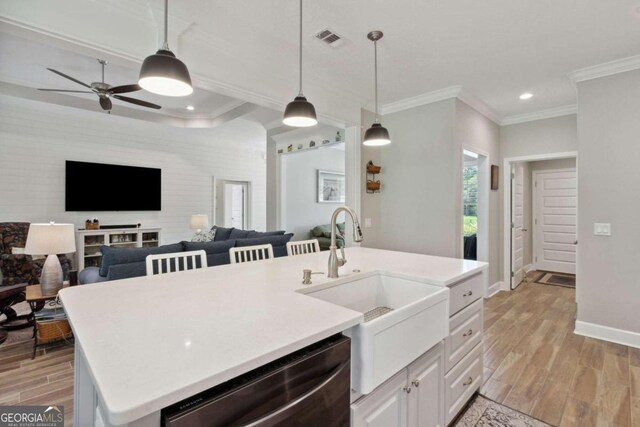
point(281, 413)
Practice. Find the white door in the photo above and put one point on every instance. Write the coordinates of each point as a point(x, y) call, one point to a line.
point(555, 221)
point(426, 400)
point(233, 204)
point(517, 221)
point(384, 407)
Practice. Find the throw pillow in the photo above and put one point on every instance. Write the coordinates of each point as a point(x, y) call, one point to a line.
point(204, 236)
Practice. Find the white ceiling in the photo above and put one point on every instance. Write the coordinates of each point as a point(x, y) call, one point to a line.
point(495, 49)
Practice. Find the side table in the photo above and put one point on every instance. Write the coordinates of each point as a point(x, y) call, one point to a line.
point(50, 322)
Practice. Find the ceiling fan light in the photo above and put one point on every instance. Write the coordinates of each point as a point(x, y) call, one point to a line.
point(164, 74)
point(300, 113)
point(376, 136)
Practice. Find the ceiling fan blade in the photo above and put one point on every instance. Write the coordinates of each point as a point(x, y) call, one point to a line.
point(68, 77)
point(105, 103)
point(64, 90)
point(125, 88)
point(137, 102)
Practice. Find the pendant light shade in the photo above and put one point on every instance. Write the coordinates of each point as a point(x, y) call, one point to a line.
point(376, 135)
point(162, 73)
point(300, 112)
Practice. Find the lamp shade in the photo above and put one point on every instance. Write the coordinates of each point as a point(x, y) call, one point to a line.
point(376, 136)
point(50, 239)
point(300, 113)
point(164, 74)
point(199, 222)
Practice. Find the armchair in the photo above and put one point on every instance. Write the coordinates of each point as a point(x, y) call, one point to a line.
point(20, 268)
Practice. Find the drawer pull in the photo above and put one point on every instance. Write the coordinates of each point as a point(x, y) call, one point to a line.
point(406, 389)
point(415, 383)
point(467, 382)
point(467, 294)
point(468, 333)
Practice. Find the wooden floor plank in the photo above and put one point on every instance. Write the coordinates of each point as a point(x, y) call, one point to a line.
point(585, 381)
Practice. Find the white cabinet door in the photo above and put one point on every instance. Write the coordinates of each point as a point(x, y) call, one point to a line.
point(426, 400)
point(384, 407)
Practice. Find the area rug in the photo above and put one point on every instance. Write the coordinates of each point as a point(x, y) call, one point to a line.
point(483, 412)
point(15, 337)
point(557, 279)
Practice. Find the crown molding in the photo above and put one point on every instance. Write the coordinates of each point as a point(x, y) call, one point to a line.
point(440, 95)
point(479, 105)
point(550, 113)
point(423, 99)
point(606, 69)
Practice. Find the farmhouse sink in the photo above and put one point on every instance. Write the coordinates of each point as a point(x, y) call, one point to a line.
point(403, 319)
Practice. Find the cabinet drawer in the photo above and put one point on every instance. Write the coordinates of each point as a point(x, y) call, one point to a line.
point(464, 293)
point(465, 332)
point(462, 381)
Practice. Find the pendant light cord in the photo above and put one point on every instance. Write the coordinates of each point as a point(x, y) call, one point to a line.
point(300, 51)
point(375, 74)
point(165, 46)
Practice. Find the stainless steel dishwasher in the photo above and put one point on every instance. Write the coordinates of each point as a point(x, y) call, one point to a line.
point(310, 387)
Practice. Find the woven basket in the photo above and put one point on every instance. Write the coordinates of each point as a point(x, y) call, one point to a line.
point(53, 330)
point(373, 185)
point(373, 169)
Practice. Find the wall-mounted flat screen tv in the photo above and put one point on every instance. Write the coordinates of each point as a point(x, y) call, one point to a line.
point(103, 187)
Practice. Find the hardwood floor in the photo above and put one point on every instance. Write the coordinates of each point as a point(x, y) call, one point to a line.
point(533, 362)
point(46, 380)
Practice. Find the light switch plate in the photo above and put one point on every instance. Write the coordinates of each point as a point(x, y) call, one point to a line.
point(601, 229)
point(367, 223)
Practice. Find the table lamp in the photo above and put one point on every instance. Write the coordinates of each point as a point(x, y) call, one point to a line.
point(50, 239)
point(199, 222)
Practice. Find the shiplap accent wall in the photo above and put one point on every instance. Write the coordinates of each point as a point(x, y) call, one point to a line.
point(37, 138)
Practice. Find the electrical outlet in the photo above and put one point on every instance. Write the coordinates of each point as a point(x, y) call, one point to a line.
point(367, 223)
point(601, 229)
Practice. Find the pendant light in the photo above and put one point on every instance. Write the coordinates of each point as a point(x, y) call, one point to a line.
point(162, 72)
point(300, 112)
point(376, 135)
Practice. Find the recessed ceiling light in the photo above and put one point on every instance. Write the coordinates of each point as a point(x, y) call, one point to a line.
point(526, 95)
point(190, 107)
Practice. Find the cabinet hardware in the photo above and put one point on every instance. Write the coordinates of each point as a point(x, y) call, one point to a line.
point(467, 294)
point(467, 382)
point(406, 389)
point(415, 383)
point(468, 333)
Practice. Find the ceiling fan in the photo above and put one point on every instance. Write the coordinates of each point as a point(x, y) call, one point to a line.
point(105, 91)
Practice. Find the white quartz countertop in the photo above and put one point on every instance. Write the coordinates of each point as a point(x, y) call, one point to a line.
point(152, 341)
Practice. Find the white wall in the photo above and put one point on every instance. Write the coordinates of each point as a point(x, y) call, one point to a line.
point(608, 289)
point(555, 135)
point(299, 171)
point(36, 139)
point(529, 168)
point(414, 211)
point(475, 131)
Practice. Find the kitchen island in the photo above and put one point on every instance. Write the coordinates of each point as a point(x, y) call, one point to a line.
point(145, 343)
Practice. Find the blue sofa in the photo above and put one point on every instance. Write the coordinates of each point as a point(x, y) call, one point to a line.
point(123, 263)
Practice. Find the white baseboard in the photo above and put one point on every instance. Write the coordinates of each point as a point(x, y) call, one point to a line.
point(619, 336)
point(528, 268)
point(494, 289)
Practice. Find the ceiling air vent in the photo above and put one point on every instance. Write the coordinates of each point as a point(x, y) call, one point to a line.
point(329, 37)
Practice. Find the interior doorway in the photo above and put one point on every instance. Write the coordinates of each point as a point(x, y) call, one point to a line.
point(540, 217)
point(475, 204)
point(232, 203)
